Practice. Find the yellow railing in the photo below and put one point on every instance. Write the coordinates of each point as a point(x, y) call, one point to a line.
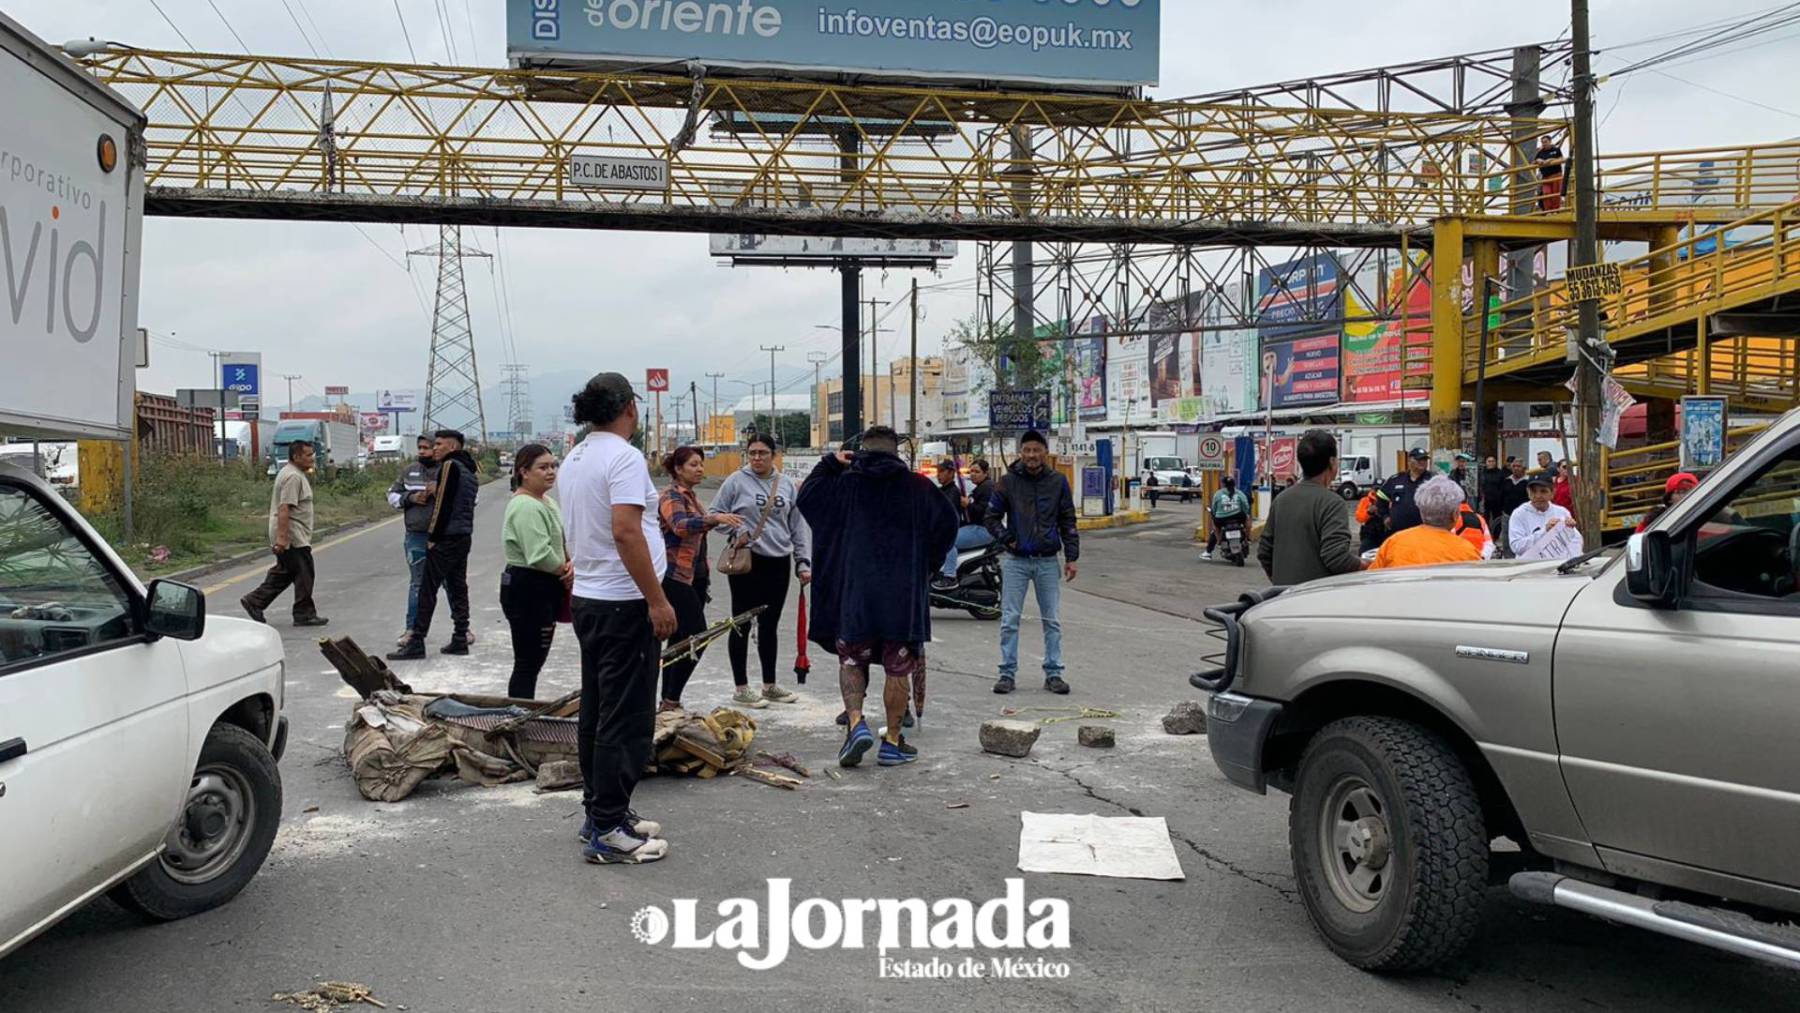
point(885, 153)
point(1715, 270)
point(1751, 372)
point(1635, 477)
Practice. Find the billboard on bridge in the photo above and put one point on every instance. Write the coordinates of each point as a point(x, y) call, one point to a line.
point(1078, 44)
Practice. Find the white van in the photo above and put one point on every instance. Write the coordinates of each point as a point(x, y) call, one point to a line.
point(138, 735)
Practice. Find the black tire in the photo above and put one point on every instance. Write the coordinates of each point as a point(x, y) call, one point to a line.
point(163, 890)
point(984, 614)
point(1423, 904)
point(1237, 560)
point(1348, 491)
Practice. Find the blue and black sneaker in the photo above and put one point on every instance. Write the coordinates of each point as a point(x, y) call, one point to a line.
point(586, 833)
point(895, 754)
point(619, 846)
point(858, 742)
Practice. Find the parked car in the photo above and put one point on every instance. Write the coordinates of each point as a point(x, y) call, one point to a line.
point(138, 735)
point(1654, 781)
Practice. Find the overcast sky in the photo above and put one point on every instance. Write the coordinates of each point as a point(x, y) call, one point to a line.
point(323, 301)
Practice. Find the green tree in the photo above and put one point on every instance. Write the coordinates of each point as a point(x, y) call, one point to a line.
point(791, 429)
point(1015, 364)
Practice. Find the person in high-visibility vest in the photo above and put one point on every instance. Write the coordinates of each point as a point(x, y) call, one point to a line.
point(1370, 521)
point(1473, 528)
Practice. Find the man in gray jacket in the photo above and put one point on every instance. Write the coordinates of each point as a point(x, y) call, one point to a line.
point(449, 536)
point(411, 494)
point(781, 543)
point(1307, 536)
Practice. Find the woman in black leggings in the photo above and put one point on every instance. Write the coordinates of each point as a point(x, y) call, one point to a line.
point(538, 573)
point(783, 541)
point(684, 526)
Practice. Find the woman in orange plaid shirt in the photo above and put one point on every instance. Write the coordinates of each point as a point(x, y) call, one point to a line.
point(685, 524)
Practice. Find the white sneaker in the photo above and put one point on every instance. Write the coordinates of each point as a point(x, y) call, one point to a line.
point(775, 694)
point(1205, 557)
point(750, 698)
point(619, 846)
point(644, 828)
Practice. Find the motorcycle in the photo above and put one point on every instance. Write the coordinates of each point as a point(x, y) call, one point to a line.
point(1234, 539)
point(977, 587)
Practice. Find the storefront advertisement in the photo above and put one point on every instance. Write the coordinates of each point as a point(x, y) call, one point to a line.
point(1387, 332)
point(1301, 372)
point(1228, 370)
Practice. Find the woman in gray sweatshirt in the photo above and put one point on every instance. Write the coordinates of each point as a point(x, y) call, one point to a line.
point(783, 546)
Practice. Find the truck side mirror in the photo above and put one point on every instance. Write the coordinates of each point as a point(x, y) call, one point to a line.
point(1650, 571)
point(175, 610)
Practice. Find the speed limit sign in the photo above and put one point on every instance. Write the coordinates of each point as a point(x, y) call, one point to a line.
point(1212, 451)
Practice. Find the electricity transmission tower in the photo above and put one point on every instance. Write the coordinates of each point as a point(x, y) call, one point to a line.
point(453, 384)
point(517, 387)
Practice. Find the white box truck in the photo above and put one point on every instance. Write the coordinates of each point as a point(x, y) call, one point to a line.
point(138, 735)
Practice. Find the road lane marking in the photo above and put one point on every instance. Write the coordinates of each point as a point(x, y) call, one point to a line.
point(247, 574)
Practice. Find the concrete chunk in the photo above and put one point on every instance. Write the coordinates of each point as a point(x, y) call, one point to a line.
point(1188, 718)
point(1009, 738)
point(1095, 736)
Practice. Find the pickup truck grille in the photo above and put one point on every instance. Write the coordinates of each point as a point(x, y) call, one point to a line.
point(1222, 666)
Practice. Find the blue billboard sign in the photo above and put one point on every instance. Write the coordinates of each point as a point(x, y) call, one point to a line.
point(1013, 410)
point(243, 377)
point(1083, 44)
point(1304, 296)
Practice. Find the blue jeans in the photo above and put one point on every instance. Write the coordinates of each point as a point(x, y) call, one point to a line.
point(1015, 573)
point(415, 565)
point(969, 536)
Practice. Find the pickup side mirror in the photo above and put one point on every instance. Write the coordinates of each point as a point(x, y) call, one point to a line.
point(1650, 571)
point(173, 609)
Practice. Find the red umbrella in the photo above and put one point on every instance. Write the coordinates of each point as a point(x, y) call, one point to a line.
point(802, 664)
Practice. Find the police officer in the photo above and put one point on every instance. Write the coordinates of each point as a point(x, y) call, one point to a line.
point(1394, 500)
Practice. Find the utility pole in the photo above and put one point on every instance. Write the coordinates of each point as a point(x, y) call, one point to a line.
point(874, 330)
point(290, 378)
point(772, 349)
point(715, 399)
point(1589, 350)
point(694, 394)
point(218, 359)
point(822, 435)
point(912, 398)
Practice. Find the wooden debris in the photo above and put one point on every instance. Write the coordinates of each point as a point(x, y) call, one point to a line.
point(769, 777)
point(785, 760)
point(360, 672)
point(956, 805)
point(329, 996)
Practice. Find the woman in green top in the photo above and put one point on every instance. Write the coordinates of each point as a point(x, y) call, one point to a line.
point(538, 571)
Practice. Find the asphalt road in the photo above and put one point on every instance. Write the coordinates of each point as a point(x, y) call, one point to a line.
point(469, 899)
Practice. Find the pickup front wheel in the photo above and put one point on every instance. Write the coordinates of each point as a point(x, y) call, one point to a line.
point(226, 827)
point(1389, 848)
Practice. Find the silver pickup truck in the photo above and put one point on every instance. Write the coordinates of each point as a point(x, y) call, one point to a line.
point(1628, 721)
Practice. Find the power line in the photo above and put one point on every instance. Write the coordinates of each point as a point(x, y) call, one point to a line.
point(317, 32)
point(228, 27)
point(1735, 32)
point(406, 34)
point(302, 29)
point(182, 35)
point(1726, 94)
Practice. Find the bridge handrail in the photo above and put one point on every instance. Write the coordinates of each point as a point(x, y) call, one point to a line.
point(1702, 269)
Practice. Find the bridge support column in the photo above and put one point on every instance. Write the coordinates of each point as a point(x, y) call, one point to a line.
point(1446, 334)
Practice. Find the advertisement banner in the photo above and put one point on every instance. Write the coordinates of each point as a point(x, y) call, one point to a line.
point(1090, 374)
point(1076, 43)
point(1380, 353)
point(1302, 371)
point(1299, 297)
point(1282, 451)
point(1228, 371)
point(1128, 380)
point(397, 400)
point(1702, 433)
point(1165, 368)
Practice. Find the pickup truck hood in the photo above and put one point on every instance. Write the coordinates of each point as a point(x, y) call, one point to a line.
point(1529, 593)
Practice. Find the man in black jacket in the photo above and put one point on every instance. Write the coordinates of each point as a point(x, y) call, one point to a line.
point(1032, 514)
point(878, 531)
point(449, 535)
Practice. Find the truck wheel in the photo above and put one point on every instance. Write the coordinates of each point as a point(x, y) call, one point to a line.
point(1348, 491)
point(222, 835)
point(1390, 851)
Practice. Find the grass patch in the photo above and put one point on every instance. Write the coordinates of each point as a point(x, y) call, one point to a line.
point(200, 511)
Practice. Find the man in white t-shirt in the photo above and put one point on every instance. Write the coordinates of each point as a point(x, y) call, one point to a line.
point(615, 540)
point(1540, 529)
